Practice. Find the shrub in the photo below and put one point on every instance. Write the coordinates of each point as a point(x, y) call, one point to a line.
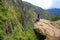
point(56, 18)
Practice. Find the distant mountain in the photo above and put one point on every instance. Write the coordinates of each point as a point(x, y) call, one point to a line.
point(54, 11)
point(38, 10)
point(33, 7)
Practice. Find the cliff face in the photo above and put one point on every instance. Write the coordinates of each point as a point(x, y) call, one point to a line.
point(15, 23)
point(51, 29)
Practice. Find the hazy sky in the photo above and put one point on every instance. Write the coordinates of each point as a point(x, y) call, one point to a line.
point(45, 4)
point(55, 4)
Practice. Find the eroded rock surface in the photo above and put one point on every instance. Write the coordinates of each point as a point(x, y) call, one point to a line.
point(49, 28)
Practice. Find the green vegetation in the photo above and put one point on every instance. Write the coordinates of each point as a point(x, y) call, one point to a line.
point(9, 25)
point(37, 10)
point(56, 18)
point(13, 26)
point(16, 20)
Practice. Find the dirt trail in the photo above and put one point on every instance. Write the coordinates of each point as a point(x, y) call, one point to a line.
point(49, 28)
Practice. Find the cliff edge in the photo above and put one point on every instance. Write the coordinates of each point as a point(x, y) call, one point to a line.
point(49, 28)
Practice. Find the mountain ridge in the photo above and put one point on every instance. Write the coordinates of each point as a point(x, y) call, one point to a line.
point(43, 13)
point(54, 11)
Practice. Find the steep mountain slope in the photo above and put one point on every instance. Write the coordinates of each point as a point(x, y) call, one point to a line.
point(43, 14)
point(14, 23)
point(10, 27)
point(54, 11)
point(51, 29)
point(33, 7)
point(17, 18)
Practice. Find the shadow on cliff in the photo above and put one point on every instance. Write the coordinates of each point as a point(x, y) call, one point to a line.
point(39, 35)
